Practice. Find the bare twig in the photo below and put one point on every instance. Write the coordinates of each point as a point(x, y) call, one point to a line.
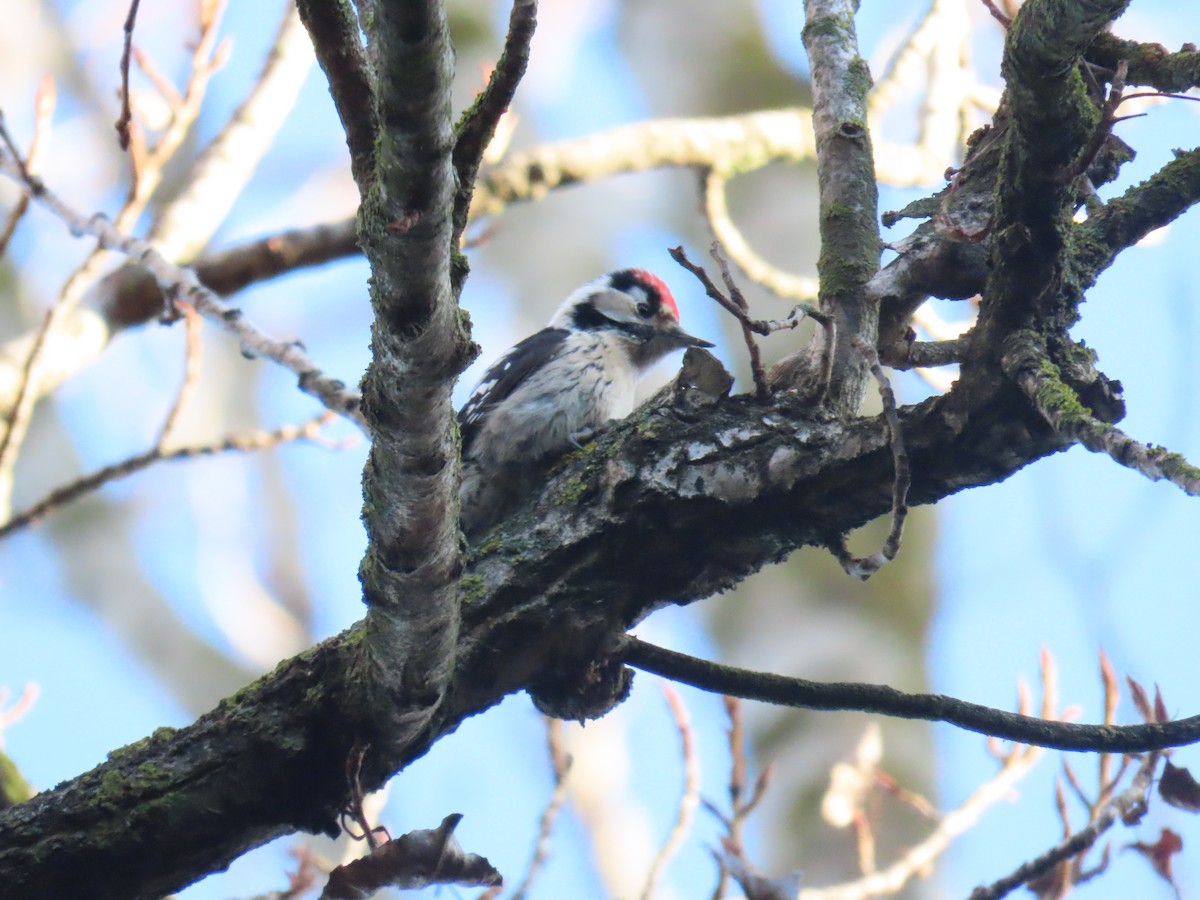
point(1016, 763)
point(735, 304)
point(740, 806)
point(181, 283)
point(10, 715)
point(561, 762)
point(207, 58)
point(999, 15)
point(478, 124)
point(1108, 118)
point(68, 493)
point(1112, 697)
point(804, 694)
point(191, 375)
point(22, 412)
point(228, 161)
point(688, 802)
point(122, 125)
point(916, 859)
point(44, 102)
point(761, 389)
point(1129, 806)
point(865, 567)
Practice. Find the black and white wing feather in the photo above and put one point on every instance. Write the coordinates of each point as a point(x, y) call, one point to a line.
point(504, 377)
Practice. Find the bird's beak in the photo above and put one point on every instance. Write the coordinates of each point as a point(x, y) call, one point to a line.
point(681, 338)
point(687, 340)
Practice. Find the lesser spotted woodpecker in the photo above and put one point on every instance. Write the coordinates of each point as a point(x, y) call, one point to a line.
point(556, 388)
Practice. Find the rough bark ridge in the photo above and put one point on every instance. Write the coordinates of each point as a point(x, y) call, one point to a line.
point(687, 501)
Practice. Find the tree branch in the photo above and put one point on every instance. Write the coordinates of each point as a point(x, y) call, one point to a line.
point(850, 242)
point(478, 124)
point(419, 345)
point(874, 698)
point(334, 29)
point(545, 595)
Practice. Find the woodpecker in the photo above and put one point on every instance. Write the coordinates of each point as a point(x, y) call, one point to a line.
point(558, 387)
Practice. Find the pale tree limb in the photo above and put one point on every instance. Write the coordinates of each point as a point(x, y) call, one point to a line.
point(81, 487)
point(714, 188)
point(181, 283)
point(187, 222)
point(221, 171)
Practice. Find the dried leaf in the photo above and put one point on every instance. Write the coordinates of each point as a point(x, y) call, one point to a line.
point(1141, 700)
point(414, 860)
point(1160, 853)
point(1160, 707)
point(1179, 788)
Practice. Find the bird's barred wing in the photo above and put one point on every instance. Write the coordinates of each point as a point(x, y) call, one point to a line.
point(505, 376)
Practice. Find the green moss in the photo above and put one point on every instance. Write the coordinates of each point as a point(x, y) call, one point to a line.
point(573, 491)
point(473, 589)
point(153, 776)
point(826, 26)
point(1176, 467)
point(859, 79)
point(1058, 399)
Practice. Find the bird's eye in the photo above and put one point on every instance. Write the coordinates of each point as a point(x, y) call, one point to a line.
point(643, 310)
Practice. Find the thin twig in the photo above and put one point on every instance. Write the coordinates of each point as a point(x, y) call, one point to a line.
point(865, 567)
point(122, 125)
point(1016, 763)
point(804, 694)
point(561, 762)
point(690, 799)
point(1129, 806)
point(22, 412)
point(479, 123)
point(740, 806)
point(1112, 697)
point(43, 105)
point(1108, 118)
point(208, 57)
point(998, 14)
point(180, 283)
point(225, 165)
point(68, 493)
point(736, 306)
point(191, 375)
